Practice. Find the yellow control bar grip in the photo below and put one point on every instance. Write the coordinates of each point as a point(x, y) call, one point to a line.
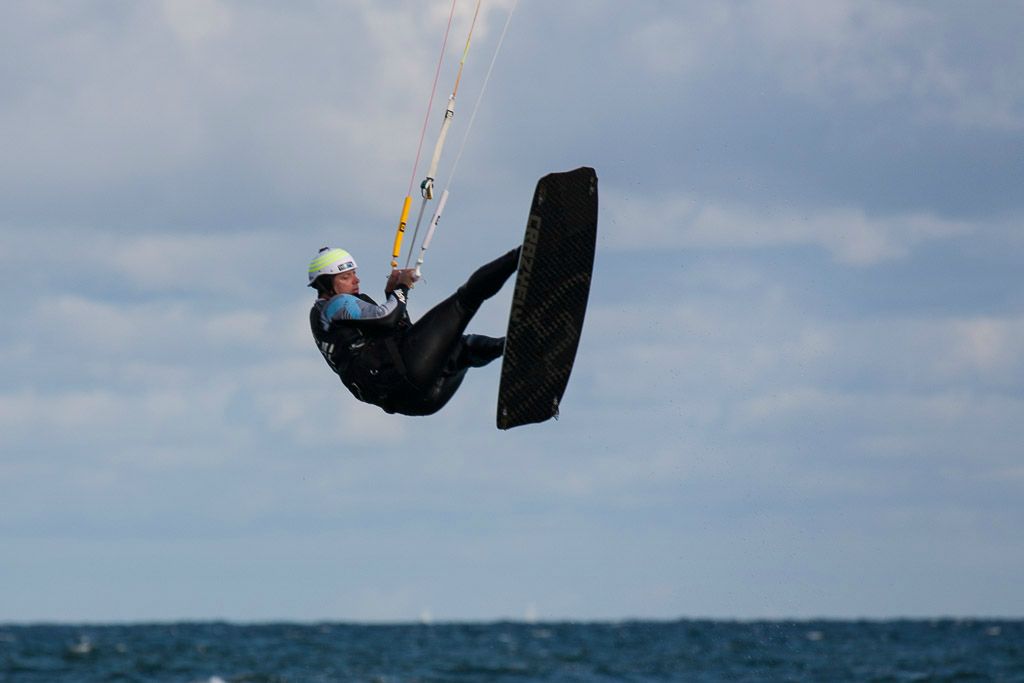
point(397, 249)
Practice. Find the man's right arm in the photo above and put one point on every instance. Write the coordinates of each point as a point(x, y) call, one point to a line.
point(351, 310)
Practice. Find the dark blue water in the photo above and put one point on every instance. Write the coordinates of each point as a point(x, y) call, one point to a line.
point(946, 650)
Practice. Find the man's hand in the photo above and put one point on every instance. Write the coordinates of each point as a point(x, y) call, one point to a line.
point(405, 277)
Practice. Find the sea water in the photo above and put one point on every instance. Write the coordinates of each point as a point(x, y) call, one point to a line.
point(641, 651)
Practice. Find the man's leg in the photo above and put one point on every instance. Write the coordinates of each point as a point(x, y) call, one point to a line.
point(478, 350)
point(431, 342)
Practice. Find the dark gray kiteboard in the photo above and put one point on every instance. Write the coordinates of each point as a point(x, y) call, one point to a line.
point(550, 298)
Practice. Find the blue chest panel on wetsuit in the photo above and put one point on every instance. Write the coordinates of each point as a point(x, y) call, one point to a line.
point(550, 298)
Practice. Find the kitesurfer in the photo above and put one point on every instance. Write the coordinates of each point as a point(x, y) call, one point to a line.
point(381, 356)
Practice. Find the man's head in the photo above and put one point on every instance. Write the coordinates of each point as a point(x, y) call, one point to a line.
point(333, 271)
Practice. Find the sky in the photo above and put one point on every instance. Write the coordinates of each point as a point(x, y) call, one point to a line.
point(799, 391)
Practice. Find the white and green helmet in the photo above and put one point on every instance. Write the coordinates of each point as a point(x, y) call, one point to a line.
point(330, 261)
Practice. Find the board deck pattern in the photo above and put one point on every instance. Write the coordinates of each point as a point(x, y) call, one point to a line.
point(550, 298)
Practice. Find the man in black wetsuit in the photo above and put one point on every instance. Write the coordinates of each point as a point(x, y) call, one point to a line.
point(381, 356)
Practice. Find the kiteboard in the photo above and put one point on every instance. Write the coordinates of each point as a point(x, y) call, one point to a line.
point(550, 298)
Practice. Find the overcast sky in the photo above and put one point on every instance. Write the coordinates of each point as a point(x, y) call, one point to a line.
point(800, 389)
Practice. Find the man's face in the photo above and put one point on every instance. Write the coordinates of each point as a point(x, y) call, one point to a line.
point(346, 283)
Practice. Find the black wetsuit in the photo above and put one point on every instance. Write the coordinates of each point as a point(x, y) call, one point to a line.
point(403, 367)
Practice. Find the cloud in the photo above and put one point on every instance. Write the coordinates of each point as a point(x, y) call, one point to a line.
point(725, 340)
point(743, 366)
point(168, 371)
point(103, 424)
point(210, 263)
point(857, 52)
point(848, 234)
point(197, 21)
point(170, 264)
point(256, 107)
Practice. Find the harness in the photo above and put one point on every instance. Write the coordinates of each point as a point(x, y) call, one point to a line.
point(370, 366)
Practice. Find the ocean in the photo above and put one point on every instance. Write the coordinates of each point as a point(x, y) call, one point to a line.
point(638, 651)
